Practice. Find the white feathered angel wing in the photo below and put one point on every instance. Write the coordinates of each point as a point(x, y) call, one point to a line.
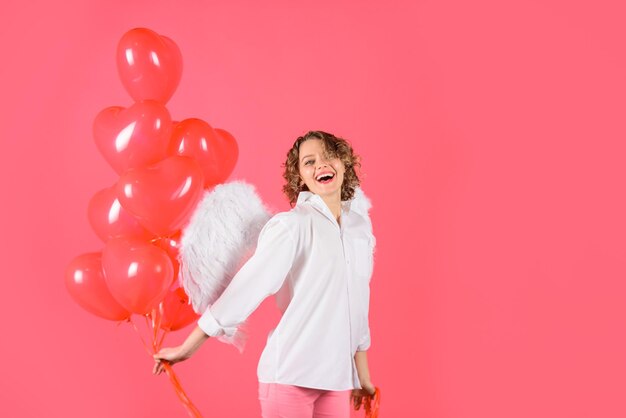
point(221, 235)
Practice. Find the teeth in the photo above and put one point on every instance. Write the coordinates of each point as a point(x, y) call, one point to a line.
point(324, 176)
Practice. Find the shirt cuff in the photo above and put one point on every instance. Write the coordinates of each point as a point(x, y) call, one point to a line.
point(365, 342)
point(363, 347)
point(209, 324)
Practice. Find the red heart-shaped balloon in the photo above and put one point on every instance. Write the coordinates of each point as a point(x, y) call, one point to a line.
point(170, 245)
point(177, 312)
point(149, 65)
point(133, 137)
point(214, 149)
point(85, 282)
point(109, 219)
point(137, 273)
point(162, 196)
point(229, 151)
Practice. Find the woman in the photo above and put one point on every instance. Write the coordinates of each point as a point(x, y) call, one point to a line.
point(317, 260)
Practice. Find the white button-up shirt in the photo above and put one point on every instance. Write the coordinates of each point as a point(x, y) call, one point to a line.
point(319, 271)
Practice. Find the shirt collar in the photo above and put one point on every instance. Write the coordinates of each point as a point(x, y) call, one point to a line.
point(317, 200)
point(359, 203)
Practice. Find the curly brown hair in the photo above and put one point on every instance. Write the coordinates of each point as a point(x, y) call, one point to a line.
point(335, 148)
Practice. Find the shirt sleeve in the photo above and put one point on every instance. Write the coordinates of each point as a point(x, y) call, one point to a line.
point(366, 341)
point(365, 338)
point(261, 276)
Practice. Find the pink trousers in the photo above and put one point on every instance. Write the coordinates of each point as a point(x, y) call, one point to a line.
point(285, 401)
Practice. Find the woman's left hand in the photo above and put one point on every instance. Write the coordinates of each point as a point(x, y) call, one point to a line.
point(368, 389)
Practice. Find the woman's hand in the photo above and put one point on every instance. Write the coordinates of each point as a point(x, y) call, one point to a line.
point(175, 354)
point(368, 389)
point(169, 355)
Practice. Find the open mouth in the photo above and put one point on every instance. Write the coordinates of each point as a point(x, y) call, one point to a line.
point(325, 178)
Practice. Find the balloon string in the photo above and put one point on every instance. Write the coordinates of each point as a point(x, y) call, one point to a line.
point(156, 325)
point(156, 317)
point(160, 343)
point(371, 409)
point(157, 341)
point(189, 406)
point(371, 404)
point(140, 337)
point(148, 319)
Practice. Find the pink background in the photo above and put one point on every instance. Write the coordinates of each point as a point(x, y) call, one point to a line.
point(492, 136)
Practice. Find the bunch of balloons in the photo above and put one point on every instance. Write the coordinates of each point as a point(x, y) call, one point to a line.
point(164, 167)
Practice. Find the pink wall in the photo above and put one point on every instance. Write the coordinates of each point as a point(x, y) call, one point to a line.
point(492, 136)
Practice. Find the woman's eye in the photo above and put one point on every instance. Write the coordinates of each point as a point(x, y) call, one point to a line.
point(308, 162)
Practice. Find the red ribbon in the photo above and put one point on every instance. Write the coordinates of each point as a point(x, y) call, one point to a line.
point(370, 403)
point(153, 321)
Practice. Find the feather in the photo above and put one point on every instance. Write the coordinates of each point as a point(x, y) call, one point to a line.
point(221, 235)
point(360, 203)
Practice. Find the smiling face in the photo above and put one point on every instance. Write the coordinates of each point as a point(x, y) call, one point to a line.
point(321, 173)
point(298, 176)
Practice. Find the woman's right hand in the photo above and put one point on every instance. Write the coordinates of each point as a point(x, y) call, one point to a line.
point(170, 355)
point(175, 354)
